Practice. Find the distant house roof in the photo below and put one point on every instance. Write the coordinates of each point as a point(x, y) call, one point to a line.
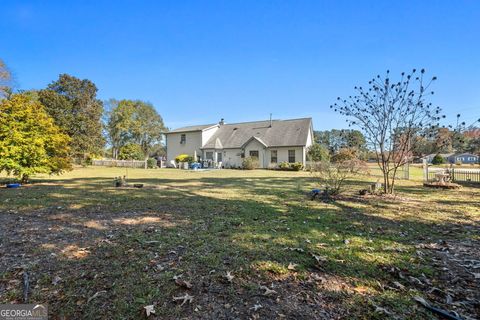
point(443, 155)
point(282, 133)
point(192, 128)
point(465, 155)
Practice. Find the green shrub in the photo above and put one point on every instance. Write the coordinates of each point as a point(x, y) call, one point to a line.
point(184, 158)
point(284, 165)
point(438, 159)
point(151, 163)
point(318, 152)
point(287, 166)
point(296, 166)
point(250, 163)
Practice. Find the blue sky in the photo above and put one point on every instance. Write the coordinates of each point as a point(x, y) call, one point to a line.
point(199, 61)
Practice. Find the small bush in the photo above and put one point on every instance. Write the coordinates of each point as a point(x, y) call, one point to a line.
point(284, 165)
point(287, 166)
point(438, 159)
point(333, 176)
point(296, 166)
point(344, 154)
point(250, 163)
point(459, 163)
point(184, 158)
point(151, 163)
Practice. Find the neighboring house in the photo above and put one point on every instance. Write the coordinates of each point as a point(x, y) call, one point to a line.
point(445, 157)
point(466, 158)
point(271, 141)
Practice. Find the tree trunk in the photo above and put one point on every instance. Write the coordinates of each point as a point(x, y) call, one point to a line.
point(146, 158)
point(385, 177)
point(24, 178)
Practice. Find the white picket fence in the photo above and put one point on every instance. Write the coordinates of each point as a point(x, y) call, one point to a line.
point(119, 163)
point(456, 175)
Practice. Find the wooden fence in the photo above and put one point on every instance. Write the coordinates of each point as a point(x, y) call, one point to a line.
point(119, 163)
point(456, 175)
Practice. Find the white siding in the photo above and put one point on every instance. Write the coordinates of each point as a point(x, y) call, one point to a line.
point(309, 139)
point(254, 145)
point(232, 158)
point(282, 154)
point(174, 147)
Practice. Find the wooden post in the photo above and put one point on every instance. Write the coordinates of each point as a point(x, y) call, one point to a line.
point(425, 170)
point(406, 171)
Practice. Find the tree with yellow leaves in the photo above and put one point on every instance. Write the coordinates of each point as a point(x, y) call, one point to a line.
point(30, 142)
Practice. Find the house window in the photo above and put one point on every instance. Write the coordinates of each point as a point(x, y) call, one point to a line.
point(219, 157)
point(273, 156)
point(254, 153)
point(183, 138)
point(209, 155)
point(291, 156)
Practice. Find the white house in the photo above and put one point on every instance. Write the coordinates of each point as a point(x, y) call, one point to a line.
point(271, 141)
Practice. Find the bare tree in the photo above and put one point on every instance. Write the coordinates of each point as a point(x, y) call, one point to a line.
point(5, 80)
point(391, 114)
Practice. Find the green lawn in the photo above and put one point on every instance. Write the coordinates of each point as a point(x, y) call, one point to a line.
point(95, 251)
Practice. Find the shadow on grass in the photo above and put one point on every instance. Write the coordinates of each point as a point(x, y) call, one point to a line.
point(127, 244)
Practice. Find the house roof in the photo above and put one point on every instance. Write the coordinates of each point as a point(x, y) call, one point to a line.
point(282, 133)
point(466, 154)
point(192, 128)
point(444, 155)
point(254, 138)
point(452, 154)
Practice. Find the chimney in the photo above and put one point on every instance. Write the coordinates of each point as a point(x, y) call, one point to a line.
point(222, 122)
point(270, 120)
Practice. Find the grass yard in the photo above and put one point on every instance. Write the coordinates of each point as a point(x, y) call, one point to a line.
point(93, 251)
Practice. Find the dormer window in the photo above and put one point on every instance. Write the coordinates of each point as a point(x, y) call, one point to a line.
point(183, 138)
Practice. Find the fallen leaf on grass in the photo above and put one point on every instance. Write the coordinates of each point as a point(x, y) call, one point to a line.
point(184, 299)
point(96, 295)
point(268, 291)
point(229, 276)
point(256, 307)
point(415, 280)
point(292, 266)
point(183, 283)
point(318, 258)
point(56, 280)
point(421, 300)
point(149, 310)
point(295, 249)
point(449, 299)
point(399, 285)
point(381, 310)
point(175, 277)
